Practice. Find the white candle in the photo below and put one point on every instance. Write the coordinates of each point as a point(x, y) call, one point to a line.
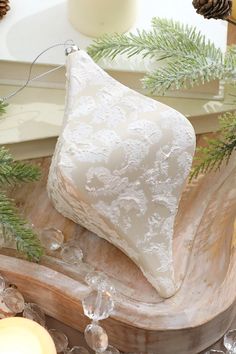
point(96, 17)
point(22, 336)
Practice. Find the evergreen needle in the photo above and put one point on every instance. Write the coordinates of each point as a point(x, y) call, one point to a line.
point(188, 58)
point(14, 172)
point(2, 107)
point(218, 150)
point(16, 227)
point(12, 224)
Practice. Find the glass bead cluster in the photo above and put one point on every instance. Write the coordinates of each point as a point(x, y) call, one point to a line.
point(12, 303)
point(229, 344)
point(52, 240)
point(97, 305)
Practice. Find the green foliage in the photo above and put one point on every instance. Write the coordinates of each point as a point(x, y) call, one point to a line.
point(149, 44)
point(12, 171)
point(217, 150)
point(187, 57)
point(16, 227)
point(12, 224)
point(2, 107)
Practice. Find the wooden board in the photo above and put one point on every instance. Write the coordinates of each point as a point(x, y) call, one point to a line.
point(197, 316)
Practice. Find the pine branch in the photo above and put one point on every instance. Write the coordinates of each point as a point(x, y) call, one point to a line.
point(14, 172)
point(26, 240)
point(3, 106)
point(201, 61)
point(218, 150)
point(184, 73)
point(166, 39)
point(149, 44)
point(187, 38)
point(15, 227)
point(188, 58)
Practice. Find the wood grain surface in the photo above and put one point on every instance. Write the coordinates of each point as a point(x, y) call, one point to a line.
point(231, 34)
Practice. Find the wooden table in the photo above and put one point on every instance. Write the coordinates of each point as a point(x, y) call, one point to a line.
point(77, 338)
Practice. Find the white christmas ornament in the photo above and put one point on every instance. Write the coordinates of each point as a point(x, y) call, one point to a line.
point(119, 167)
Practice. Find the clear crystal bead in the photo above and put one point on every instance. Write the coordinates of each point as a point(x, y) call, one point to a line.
point(78, 350)
point(60, 340)
point(96, 337)
point(2, 284)
point(85, 268)
point(33, 312)
point(71, 254)
point(4, 310)
point(13, 299)
point(99, 281)
point(98, 305)
point(230, 341)
point(111, 350)
point(52, 239)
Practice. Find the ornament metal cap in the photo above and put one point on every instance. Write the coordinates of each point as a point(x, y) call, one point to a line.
point(72, 49)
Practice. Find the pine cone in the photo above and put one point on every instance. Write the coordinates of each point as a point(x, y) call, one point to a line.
point(217, 9)
point(4, 7)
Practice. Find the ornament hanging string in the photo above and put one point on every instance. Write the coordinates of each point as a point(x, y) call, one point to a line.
point(68, 45)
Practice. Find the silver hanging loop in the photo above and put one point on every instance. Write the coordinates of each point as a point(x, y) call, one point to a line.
point(70, 47)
